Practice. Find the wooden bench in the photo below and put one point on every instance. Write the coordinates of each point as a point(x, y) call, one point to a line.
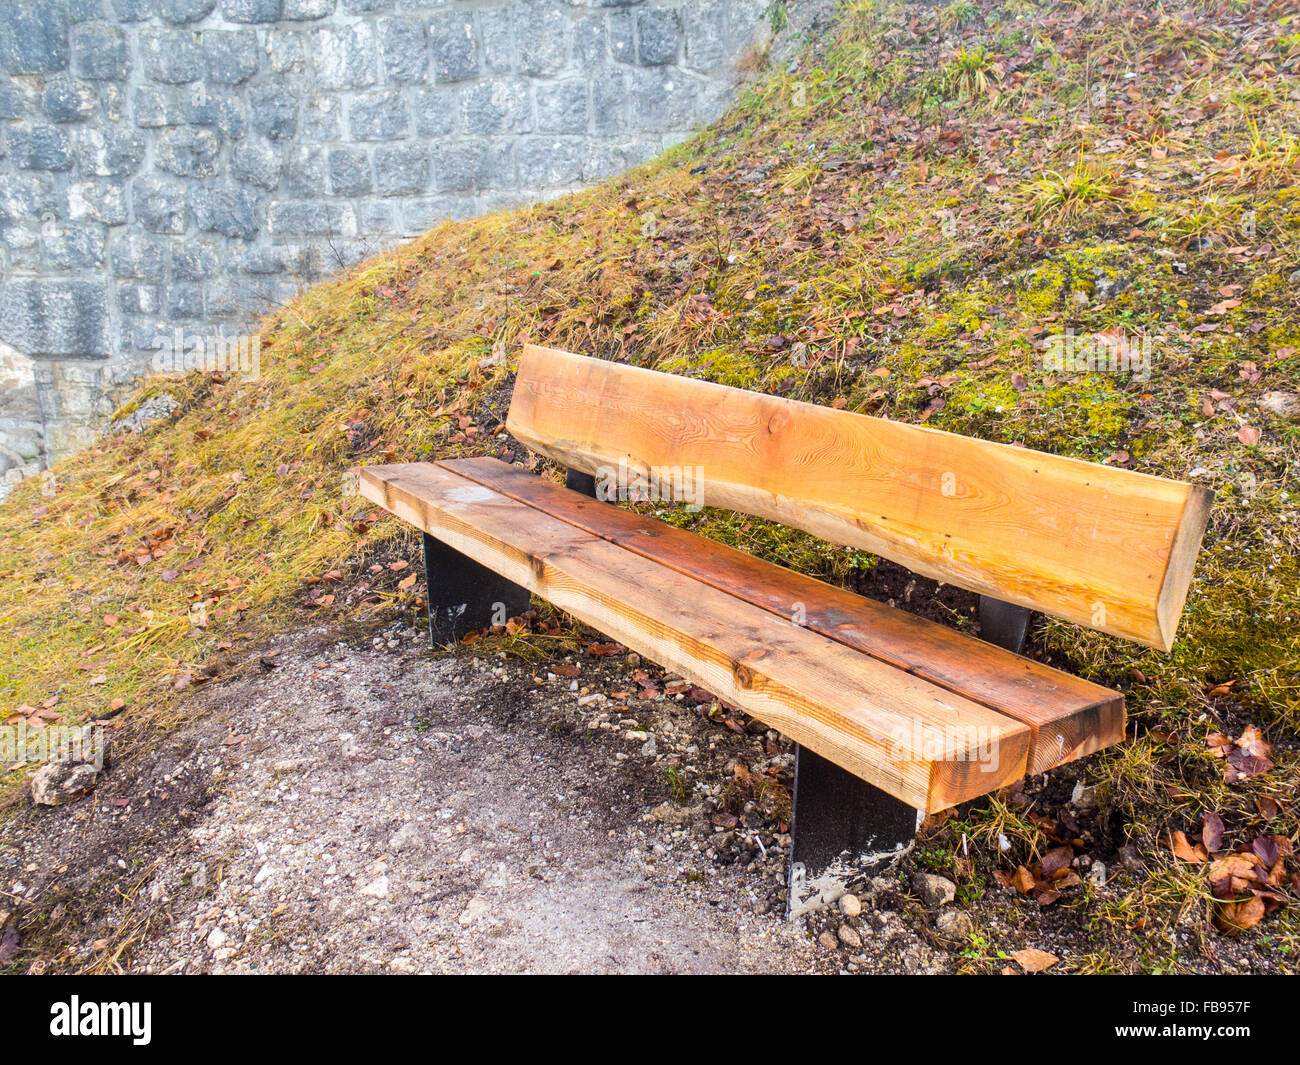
point(894, 716)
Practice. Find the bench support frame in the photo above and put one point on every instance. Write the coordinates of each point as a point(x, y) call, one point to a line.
point(845, 828)
point(464, 595)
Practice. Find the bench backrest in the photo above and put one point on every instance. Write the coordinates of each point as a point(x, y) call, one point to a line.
point(1104, 547)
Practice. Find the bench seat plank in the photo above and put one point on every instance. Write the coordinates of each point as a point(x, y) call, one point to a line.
point(922, 743)
point(1069, 717)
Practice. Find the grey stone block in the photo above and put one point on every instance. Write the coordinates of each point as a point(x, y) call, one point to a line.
point(99, 52)
point(307, 9)
point(321, 120)
point(706, 36)
point(260, 261)
point(223, 112)
point(285, 51)
point(622, 36)
point(460, 166)
point(13, 100)
point(230, 210)
point(251, 10)
point(39, 147)
point(401, 169)
point(25, 197)
point(379, 116)
point(496, 106)
point(497, 30)
point(349, 172)
point(159, 206)
point(550, 161)
point(255, 164)
point(609, 101)
point(139, 299)
point(454, 47)
point(111, 152)
point(55, 318)
point(375, 218)
point(423, 212)
point(160, 105)
point(289, 218)
point(179, 12)
point(366, 7)
point(187, 151)
point(73, 246)
point(590, 41)
point(97, 201)
point(134, 10)
point(172, 57)
point(435, 111)
point(562, 106)
point(34, 37)
point(659, 34)
point(231, 55)
point(541, 39)
point(404, 48)
point(661, 98)
point(344, 56)
point(185, 300)
point(273, 111)
point(67, 100)
point(197, 260)
point(139, 256)
point(305, 172)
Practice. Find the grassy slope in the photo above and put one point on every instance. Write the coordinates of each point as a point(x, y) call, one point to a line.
point(893, 227)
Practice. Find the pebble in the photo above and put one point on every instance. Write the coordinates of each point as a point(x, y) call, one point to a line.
point(377, 888)
point(850, 906)
point(849, 937)
point(935, 890)
point(217, 939)
point(829, 940)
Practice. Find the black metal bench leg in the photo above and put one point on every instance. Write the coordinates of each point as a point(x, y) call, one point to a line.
point(464, 595)
point(1003, 624)
point(843, 827)
point(580, 482)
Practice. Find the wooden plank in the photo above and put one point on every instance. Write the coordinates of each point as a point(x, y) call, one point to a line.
point(923, 744)
point(1107, 548)
point(1068, 717)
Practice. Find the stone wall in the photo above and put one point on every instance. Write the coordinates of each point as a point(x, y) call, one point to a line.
point(186, 164)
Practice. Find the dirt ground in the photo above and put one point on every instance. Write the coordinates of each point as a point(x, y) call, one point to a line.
point(368, 807)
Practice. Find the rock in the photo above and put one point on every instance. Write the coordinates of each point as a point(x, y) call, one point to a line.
point(377, 888)
point(849, 937)
point(151, 410)
point(1295, 277)
point(405, 838)
point(829, 940)
point(1097, 874)
point(954, 923)
point(850, 906)
point(1131, 858)
point(668, 814)
point(475, 910)
point(60, 783)
point(217, 939)
point(935, 891)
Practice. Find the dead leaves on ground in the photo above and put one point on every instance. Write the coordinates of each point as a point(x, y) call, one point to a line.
point(1247, 882)
point(1249, 755)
